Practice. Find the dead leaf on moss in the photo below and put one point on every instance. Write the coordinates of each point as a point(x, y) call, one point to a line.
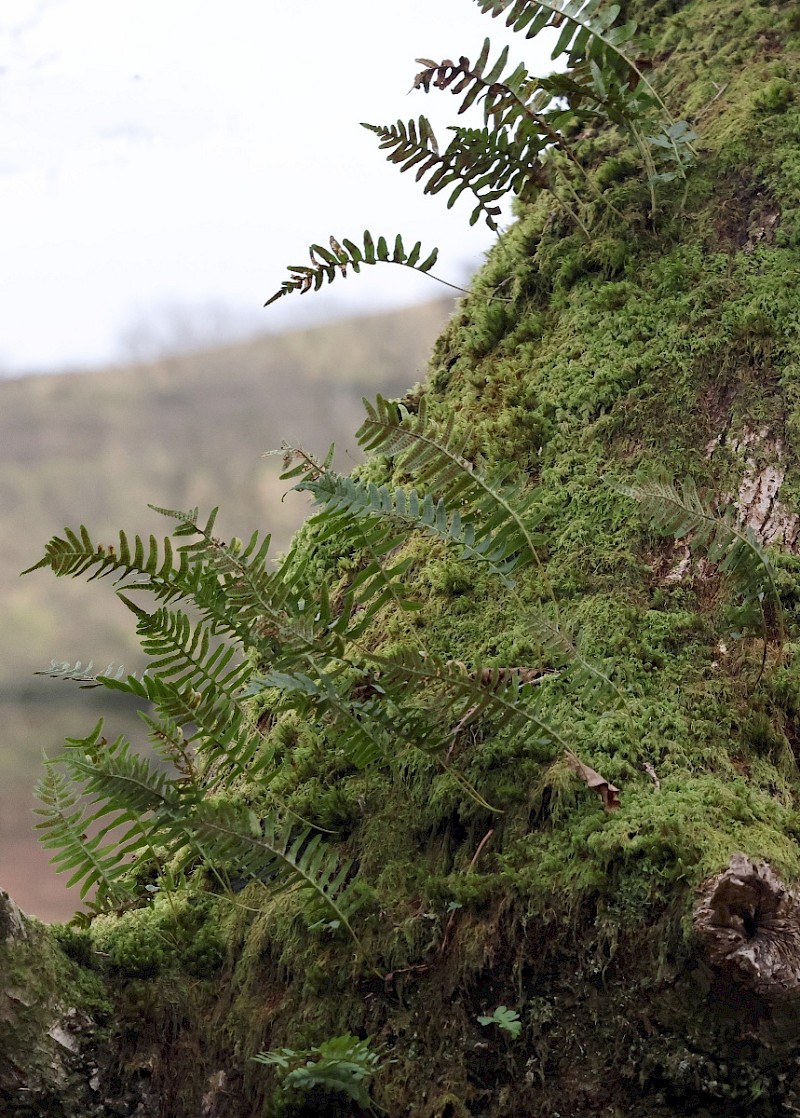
point(607, 792)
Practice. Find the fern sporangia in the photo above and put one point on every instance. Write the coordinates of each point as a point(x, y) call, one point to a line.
point(681, 511)
point(326, 263)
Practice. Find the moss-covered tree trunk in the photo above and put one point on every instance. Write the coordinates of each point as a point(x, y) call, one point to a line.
point(652, 952)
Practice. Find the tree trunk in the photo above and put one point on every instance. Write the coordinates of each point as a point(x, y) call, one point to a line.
point(648, 935)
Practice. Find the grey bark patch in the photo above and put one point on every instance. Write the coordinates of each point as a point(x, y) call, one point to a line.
point(749, 924)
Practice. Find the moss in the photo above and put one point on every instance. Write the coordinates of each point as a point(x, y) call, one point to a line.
point(173, 933)
point(776, 96)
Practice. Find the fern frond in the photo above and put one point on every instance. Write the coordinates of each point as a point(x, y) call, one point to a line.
point(344, 498)
point(588, 31)
point(246, 597)
point(343, 1064)
point(415, 145)
point(108, 783)
point(63, 827)
point(186, 655)
point(327, 263)
point(263, 848)
point(604, 75)
point(368, 729)
point(507, 510)
point(100, 765)
point(469, 693)
point(587, 678)
point(211, 723)
point(682, 511)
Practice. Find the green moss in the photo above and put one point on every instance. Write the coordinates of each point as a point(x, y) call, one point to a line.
point(776, 96)
point(175, 933)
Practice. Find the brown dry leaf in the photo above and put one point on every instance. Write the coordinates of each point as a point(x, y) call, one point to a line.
point(608, 793)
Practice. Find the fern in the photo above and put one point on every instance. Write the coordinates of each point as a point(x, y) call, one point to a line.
point(128, 793)
point(327, 263)
point(604, 74)
point(503, 510)
point(63, 827)
point(681, 511)
point(415, 144)
point(466, 694)
point(343, 1065)
point(524, 115)
point(343, 500)
point(312, 659)
point(587, 31)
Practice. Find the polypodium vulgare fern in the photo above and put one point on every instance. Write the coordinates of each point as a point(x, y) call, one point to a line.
point(525, 145)
point(526, 117)
point(326, 263)
point(250, 628)
point(721, 535)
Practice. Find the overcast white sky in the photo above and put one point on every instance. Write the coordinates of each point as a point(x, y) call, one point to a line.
point(162, 161)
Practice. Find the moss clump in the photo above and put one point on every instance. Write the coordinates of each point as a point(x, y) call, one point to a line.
point(172, 934)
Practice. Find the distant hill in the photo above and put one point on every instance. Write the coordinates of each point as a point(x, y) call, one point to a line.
point(96, 447)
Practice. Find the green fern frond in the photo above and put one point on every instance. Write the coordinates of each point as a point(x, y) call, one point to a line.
point(212, 724)
point(344, 498)
point(186, 655)
point(63, 827)
point(343, 1065)
point(682, 511)
point(588, 31)
point(469, 693)
point(246, 597)
point(327, 263)
point(604, 76)
point(511, 161)
point(587, 679)
point(369, 732)
point(504, 509)
point(455, 168)
point(123, 782)
point(158, 569)
point(107, 782)
point(264, 849)
point(508, 100)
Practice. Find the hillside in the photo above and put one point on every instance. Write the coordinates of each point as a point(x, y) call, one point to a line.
point(96, 447)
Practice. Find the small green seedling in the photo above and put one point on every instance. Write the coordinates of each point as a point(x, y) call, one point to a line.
point(506, 1019)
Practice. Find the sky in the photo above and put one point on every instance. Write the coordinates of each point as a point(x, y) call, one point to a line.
point(163, 161)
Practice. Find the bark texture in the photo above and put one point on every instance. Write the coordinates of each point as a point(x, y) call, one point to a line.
point(749, 923)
